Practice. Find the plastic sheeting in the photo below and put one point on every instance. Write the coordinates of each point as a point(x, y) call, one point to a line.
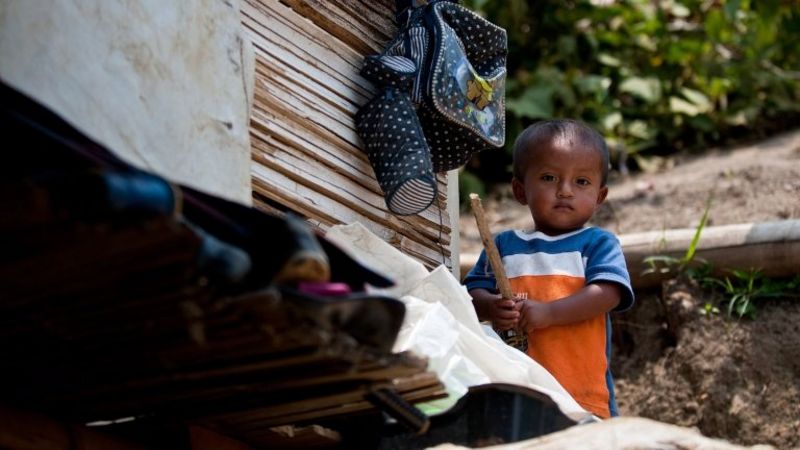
point(441, 324)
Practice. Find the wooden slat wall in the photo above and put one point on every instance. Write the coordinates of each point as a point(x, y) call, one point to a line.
point(307, 156)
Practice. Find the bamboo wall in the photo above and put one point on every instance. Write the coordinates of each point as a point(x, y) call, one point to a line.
point(306, 155)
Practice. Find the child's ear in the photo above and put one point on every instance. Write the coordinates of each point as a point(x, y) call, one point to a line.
point(602, 194)
point(519, 191)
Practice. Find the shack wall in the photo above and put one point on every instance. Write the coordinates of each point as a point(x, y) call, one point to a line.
point(307, 157)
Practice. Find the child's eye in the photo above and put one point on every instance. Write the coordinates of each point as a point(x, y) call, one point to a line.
point(548, 178)
point(583, 182)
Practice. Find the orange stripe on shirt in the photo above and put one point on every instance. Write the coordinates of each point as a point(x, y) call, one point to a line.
point(576, 353)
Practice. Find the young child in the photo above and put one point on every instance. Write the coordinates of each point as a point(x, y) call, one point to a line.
point(566, 277)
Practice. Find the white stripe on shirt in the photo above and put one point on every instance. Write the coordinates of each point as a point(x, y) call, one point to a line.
point(567, 263)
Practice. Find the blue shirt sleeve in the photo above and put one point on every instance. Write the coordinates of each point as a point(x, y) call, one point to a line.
point(605, 262)
point(481, 276)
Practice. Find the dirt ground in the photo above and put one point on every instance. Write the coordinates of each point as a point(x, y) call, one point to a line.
point(737, 380)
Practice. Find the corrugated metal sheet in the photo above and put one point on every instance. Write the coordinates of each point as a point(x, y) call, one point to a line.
point(307, 156)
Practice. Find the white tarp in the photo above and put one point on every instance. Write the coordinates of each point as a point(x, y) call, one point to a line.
point(441, 325)
point(619, 433)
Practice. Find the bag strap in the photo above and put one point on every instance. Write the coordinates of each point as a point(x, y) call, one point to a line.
point(406, 13)
point(405, 9)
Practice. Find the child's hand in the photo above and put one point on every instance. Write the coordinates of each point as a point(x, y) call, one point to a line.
point(505, 313)
point(502, 313)
point(534, 315)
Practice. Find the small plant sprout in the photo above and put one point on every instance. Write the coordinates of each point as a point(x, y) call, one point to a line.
point(709, 309)
point(666, 263)
point(741, 290)
point(747, 286)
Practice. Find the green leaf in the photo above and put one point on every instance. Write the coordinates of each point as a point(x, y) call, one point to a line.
point(715, 25)
point(681, 106)
point(766, 34)
point(697, 98)
point(608, 60)
point(687, 258)
point(718, 86)
point(679, 10)
point(639, 129)
point(566, 45)
point(704, 123)
point(646, 42)
point(743, 117)
point(647, 89)
point(731, 9)
point(611, 121)
point(588, 84)
point(469, 183)
point(535, 103)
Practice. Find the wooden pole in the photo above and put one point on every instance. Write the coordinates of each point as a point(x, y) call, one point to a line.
point(491, 249)
point(772, 247)
point(515, 338)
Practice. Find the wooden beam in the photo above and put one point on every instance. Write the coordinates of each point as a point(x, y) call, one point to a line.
point(772, 247)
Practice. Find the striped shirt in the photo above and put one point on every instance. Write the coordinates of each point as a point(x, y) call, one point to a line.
point(548, 268)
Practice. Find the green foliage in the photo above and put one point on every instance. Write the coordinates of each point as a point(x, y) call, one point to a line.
point(666, 263)
point(653, 76)
point(468, 183)
point(748, 286)
point(741, 291)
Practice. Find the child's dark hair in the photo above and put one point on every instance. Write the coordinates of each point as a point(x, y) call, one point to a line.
point(548, 129)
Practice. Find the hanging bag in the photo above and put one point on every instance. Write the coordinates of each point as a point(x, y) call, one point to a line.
point(454, 80)
point(460, 90)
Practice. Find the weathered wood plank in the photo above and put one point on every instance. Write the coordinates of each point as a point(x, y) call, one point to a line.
point(316, 50)
point(278, 126)
point(305, 114)
point(362, 28)
point(319, 133)
point(280, 187)
point(306, 153)
point(300, 115)
point(305, 168)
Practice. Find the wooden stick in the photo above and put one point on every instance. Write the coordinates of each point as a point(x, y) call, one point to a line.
point(491, 249)
point(515, 338)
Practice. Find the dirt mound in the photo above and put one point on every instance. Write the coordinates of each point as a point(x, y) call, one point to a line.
point(735, 380)
point(732, 379)
point(750, 184)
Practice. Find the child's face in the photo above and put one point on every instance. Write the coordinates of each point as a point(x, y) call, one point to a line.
point(561, 185)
